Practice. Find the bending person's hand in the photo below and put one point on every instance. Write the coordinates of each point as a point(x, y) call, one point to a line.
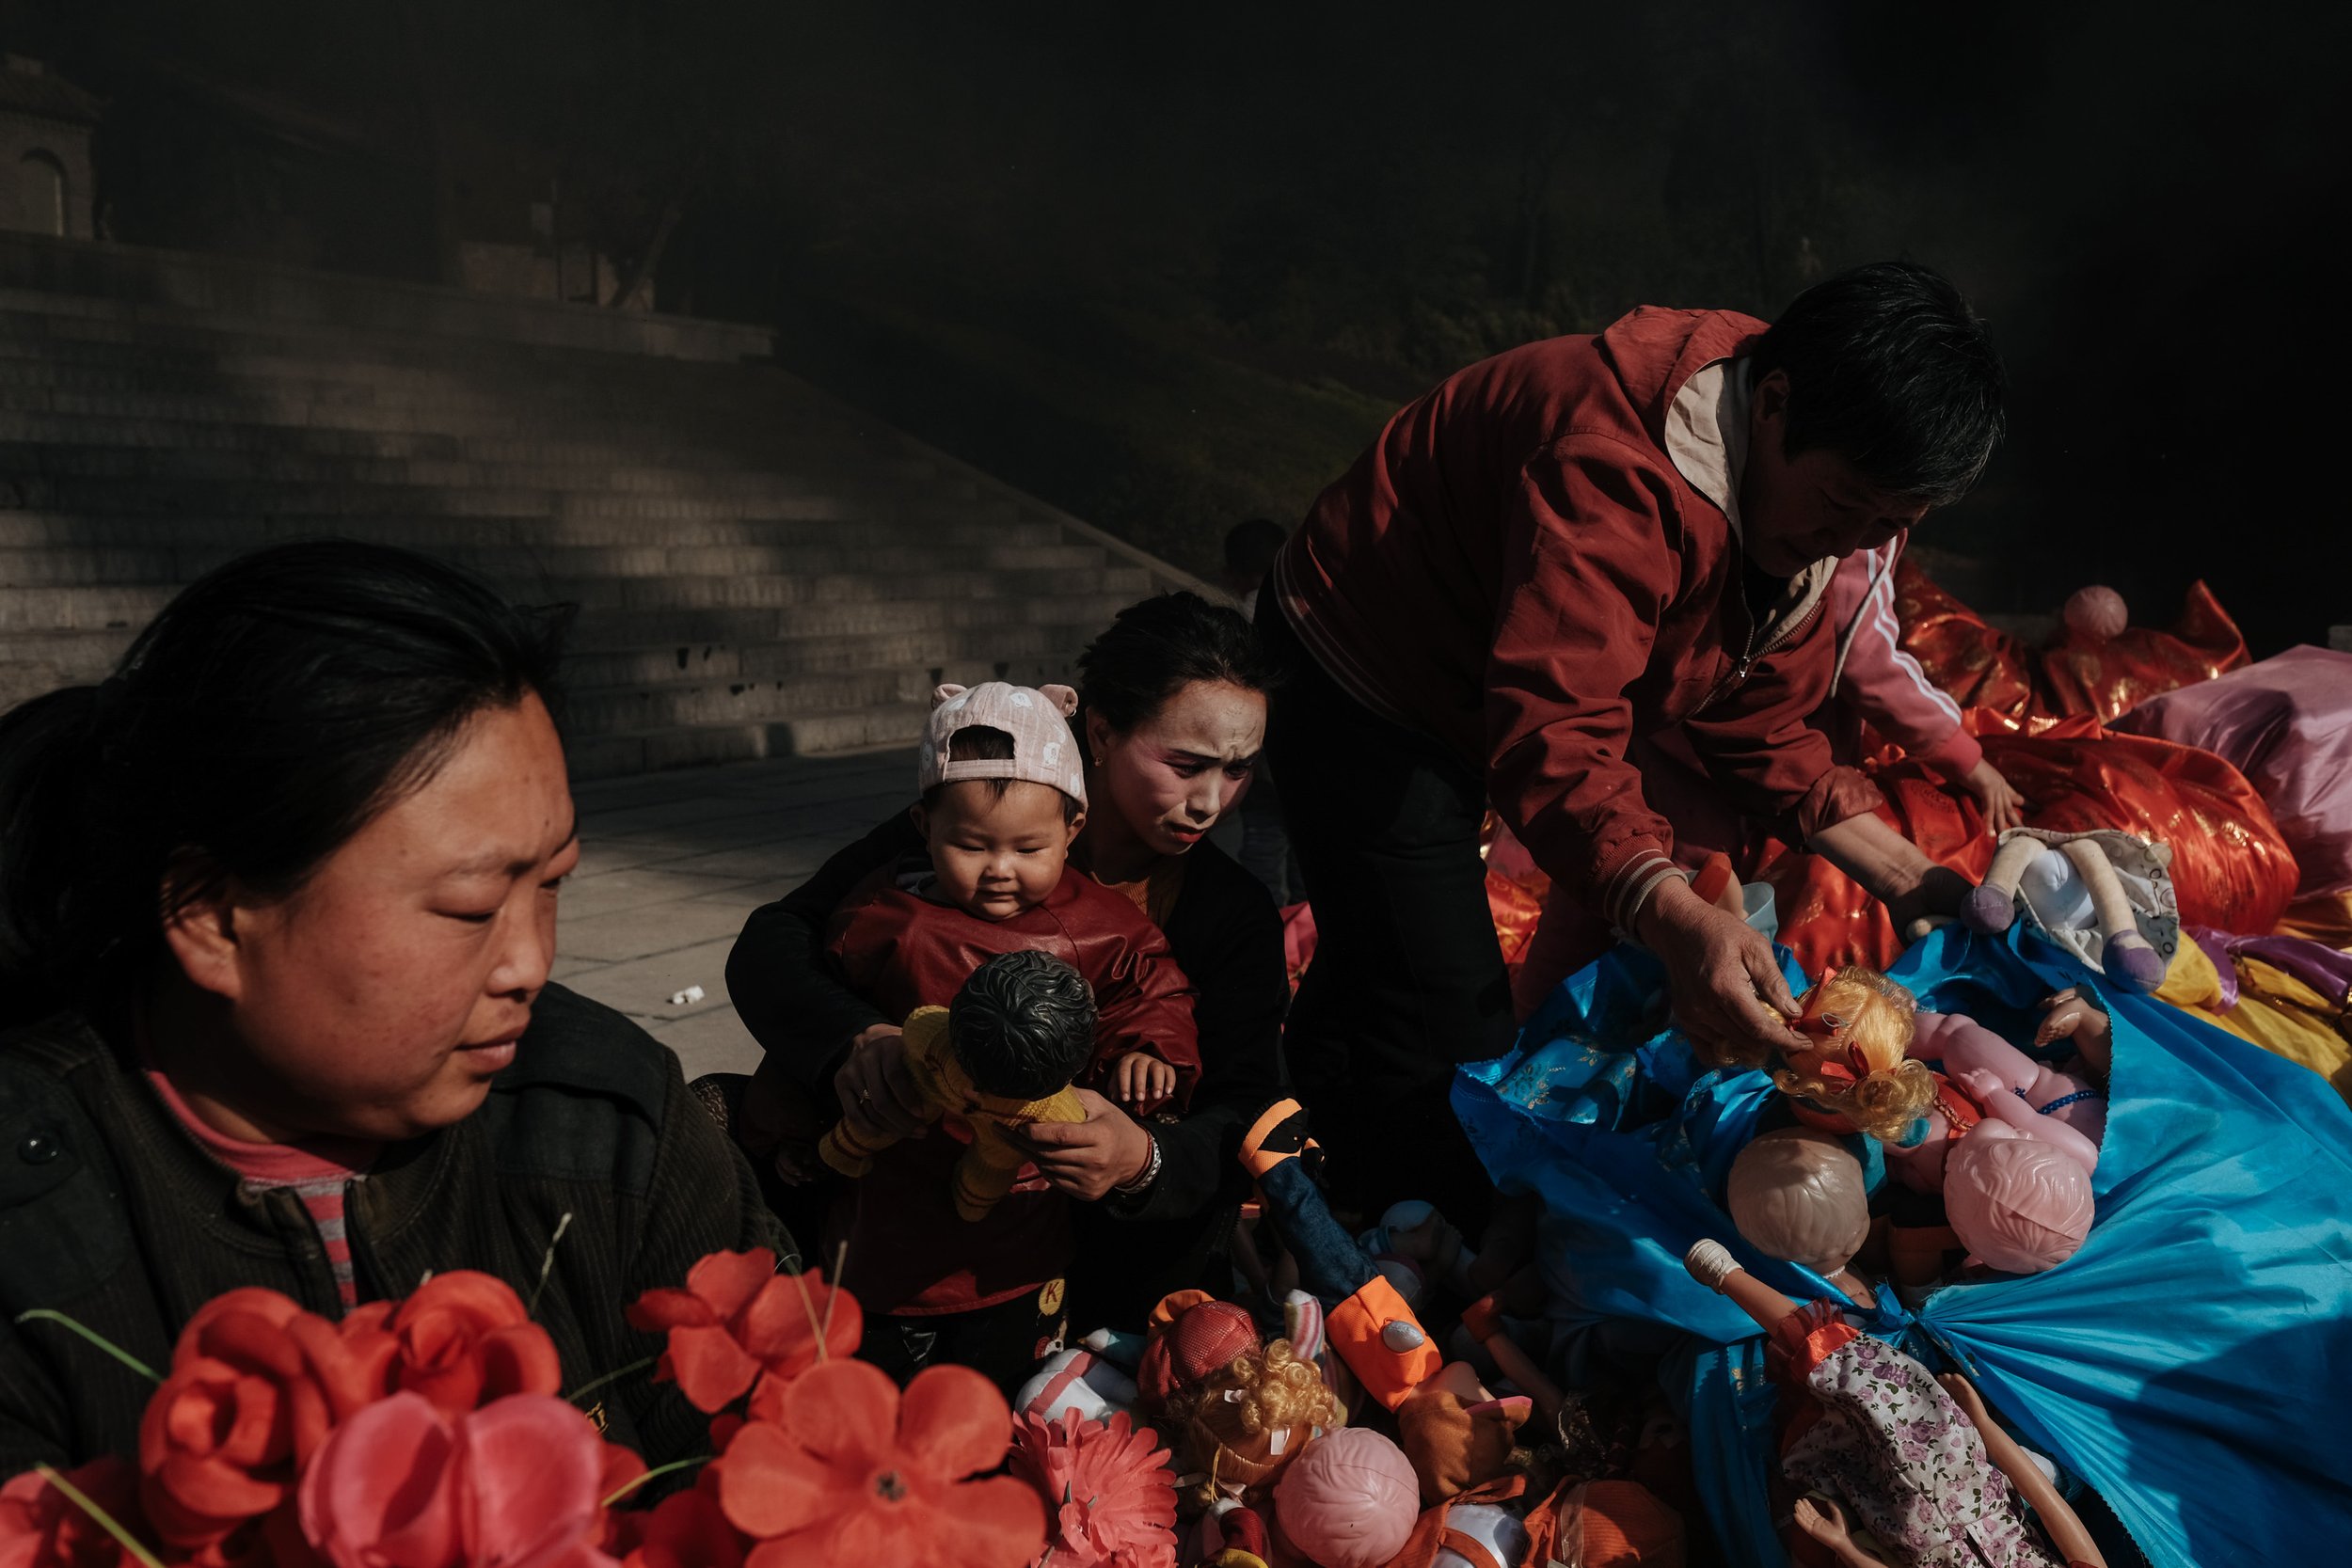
point(1086, 1158)
point(1721, 976)
point(2004, 808)
point(879, 1098)
point(1919, 893)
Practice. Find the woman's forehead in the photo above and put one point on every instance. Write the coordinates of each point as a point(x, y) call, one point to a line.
point(1210, 719)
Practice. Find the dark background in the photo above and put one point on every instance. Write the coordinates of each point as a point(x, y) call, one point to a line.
point(1169, 266)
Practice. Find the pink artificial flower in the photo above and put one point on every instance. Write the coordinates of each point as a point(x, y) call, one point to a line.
point(461, 1340)
point(514, 1484)
point(853, 1472)
point(43, 1527)
point(1108, 1492)
point(738, 1321)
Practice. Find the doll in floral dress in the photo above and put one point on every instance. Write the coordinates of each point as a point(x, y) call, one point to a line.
point(1892, 1465)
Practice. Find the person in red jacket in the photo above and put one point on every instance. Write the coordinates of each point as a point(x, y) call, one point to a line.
point(1552, 553)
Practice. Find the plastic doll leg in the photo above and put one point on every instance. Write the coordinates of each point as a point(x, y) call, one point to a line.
point(2130, 962)
point(1993, 904)
point(850, 1153)
point(985, 1173)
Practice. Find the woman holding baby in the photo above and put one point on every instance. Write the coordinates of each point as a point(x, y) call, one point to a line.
point(1169, 723)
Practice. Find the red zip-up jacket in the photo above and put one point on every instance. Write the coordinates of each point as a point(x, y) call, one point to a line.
point(1523, 566)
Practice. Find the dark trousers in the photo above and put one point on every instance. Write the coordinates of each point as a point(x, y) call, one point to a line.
point(1408, 978)
point(1003, 1342)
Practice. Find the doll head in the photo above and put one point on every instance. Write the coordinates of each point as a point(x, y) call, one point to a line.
point(2018, 1203)
point(1022, 1025)
point(1456, 1435)
point(1797, 1195)
point(1350, 1501)
point(1239, 1427)
point(1858, 1025)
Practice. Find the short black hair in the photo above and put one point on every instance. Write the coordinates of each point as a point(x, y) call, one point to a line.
point(1022, 1025)
point(1156, 648)
point(1250, 547)
point(1889, 368)
point(987, 743)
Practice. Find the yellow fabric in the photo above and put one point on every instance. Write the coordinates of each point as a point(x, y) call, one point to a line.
point(985, 1173)
point(2274, 1010)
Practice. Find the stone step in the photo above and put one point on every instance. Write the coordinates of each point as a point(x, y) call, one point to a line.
point(590, 711)
point(999, 648)
point(770, 609)
point(539, 570)
point(687, 746)
point(757, 568)
point(818, 521)
point(32, 662)
point(607, 629)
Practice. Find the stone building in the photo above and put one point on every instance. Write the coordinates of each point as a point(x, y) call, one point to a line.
point(45, 126)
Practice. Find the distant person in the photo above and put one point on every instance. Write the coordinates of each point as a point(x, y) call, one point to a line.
point(277, 908)
point(1249, 551)
point(1265, 845)
point(1556, 551)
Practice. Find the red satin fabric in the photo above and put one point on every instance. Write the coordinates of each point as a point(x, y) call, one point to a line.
point(2231, 869)
point(1982, 666)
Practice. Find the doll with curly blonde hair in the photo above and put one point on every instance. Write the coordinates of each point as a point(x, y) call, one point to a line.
point(1854, 1074)
point(1241, 1425)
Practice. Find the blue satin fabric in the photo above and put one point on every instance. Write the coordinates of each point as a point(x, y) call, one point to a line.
point(2193, 1362)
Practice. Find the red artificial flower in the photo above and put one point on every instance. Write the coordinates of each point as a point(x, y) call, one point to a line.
point(1107, 1488)
point(461, 1341)
point(737, 1319)
point(689, 1530)
point(43, 1527)
point(256, 1386)
point(851, 1471)
point(513, 1484)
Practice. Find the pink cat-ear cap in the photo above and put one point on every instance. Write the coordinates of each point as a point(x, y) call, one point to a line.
point(1043, 749)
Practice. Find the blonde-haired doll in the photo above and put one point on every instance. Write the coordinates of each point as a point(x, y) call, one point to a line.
point(1241, 1425)
point(1855, 1075)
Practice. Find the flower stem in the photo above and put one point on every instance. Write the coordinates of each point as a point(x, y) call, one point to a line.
point(657, 1470)
point(107, 1521)
point(596, 1383)
point(546, 1264)
point(46, 1314)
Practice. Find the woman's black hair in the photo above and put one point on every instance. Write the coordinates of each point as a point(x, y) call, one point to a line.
point(1889, 368)
point(270, 711)
point(1155, 649)
point(1022, 1025)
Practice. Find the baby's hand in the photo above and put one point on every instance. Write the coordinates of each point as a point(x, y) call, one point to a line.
point(2070, 1012)
point(1143, 1077)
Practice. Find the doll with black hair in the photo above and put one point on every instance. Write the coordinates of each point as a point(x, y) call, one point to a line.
point(1001, 1056)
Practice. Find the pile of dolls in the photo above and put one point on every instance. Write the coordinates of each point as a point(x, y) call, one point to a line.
point(1344, 1437)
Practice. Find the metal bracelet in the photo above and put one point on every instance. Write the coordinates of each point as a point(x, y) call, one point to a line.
point(1151, 1170)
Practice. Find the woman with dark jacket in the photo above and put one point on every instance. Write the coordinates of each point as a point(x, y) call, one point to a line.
point(1173, 715)
point(276, 912)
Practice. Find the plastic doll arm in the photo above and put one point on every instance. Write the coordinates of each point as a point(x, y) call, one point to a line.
point(1711, 1264)
point(2070, 1012)
point(2003, 1103)
point(1963, 1046)
point(2058, 1517)
point(1483, 1318)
